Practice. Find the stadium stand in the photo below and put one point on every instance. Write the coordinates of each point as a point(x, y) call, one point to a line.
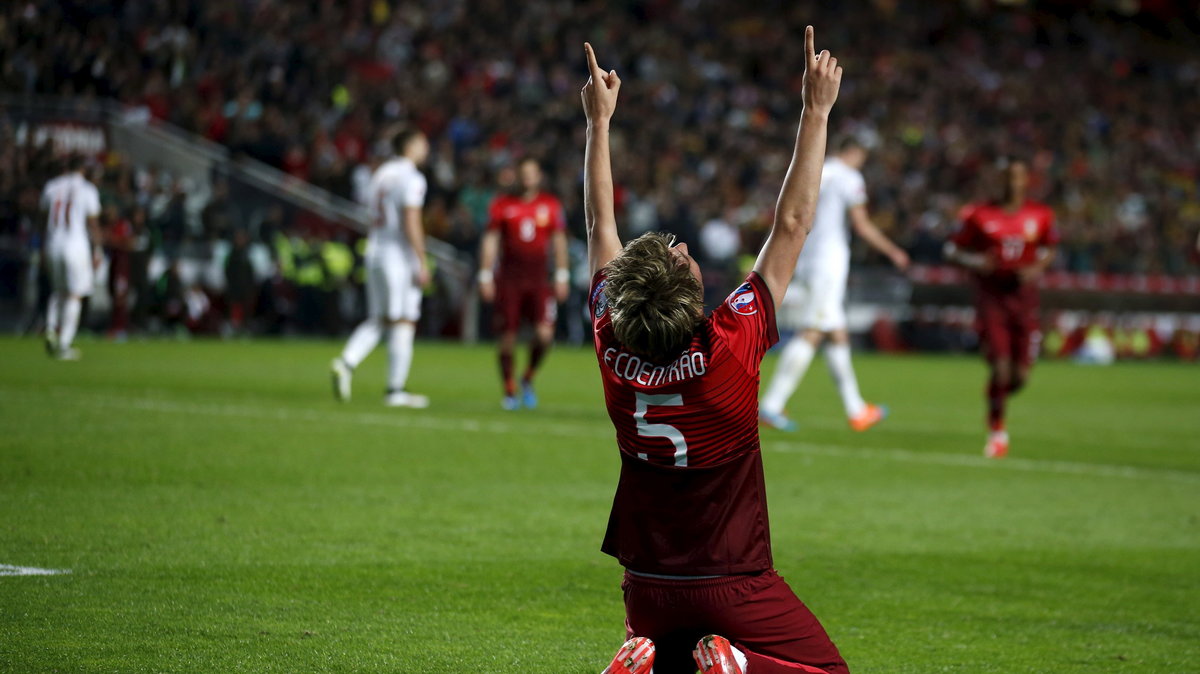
point(312, 88)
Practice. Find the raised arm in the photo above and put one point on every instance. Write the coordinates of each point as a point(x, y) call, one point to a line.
point(599, 102)
point(798, 196)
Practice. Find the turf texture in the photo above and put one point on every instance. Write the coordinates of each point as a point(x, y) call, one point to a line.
point(220, 513)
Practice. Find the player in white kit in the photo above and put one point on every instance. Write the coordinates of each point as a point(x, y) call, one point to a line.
point(396, 273)
point(72, 250)
point(814, 304)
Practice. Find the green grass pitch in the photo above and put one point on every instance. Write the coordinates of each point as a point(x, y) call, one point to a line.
point(220, 513)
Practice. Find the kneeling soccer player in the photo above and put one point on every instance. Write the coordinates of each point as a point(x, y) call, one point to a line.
point(689, 519)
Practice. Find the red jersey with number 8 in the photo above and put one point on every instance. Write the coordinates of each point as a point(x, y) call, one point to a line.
point(525, 229)
point(691, 499)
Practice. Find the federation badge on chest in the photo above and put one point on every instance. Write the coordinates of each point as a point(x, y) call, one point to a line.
point(1031, 229)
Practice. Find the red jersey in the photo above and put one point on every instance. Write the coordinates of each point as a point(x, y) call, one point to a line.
point(525, 229)
point(120, 235)
point(1011, 238)
point(691, 499)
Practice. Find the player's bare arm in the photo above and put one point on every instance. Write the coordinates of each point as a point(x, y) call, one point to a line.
point(414, 230)
point(975, 261)
point(865, 228)
point(599, 103)
point(798, 197)
point(1033, 272)
point(93, 226)
point(489, 248)
point(562, 271)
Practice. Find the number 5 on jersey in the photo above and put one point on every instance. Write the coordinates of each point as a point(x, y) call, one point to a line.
point(645, 430)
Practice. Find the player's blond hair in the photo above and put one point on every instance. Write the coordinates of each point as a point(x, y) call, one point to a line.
point(655, 301)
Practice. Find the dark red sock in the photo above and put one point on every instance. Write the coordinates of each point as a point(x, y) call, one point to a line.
point(120, 316)
point(506, 372)
point(997, 395)
point(537, 351)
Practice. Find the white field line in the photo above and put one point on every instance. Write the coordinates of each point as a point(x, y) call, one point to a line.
point(410, 420)
point(10, 570)
point(1008, 463)
point(970, 431)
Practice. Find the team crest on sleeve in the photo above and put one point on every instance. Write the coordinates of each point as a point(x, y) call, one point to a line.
point(743, 300)
point(600, 298)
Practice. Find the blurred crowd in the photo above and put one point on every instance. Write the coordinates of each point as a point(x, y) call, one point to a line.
point(170, 268)
point(276, 274)
point(1103, 103)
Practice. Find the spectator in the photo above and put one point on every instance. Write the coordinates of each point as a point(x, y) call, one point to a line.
point(240, 286)
point(1109, 98)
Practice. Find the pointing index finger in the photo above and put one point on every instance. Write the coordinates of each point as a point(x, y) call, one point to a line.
point(809, 50)
point(593, 67)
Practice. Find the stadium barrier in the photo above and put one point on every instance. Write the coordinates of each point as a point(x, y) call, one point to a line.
point(1096, 317)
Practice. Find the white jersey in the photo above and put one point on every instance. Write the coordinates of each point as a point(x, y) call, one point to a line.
point(70, 200)
point(827, 250)
point(396, 185)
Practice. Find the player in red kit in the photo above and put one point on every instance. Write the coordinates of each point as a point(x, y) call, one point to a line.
point(521, 229)
point(1007, 245)
point(689, 518)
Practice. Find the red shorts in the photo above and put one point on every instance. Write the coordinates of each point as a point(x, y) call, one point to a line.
point(1008, 324)
point(523, 303)
point(757, 613)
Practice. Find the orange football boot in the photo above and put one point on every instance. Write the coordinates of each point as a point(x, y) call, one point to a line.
point(997, 445)
point(871, 415)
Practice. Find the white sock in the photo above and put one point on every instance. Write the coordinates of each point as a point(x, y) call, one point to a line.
point(70, 322)
point(837, 356)
point(53, 307)
point(400, 351)
point(362, 342)
point(793, 363)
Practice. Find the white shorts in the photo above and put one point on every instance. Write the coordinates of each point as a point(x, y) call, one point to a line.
point(815, 301)
point(392, 290)
point(70, 271)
